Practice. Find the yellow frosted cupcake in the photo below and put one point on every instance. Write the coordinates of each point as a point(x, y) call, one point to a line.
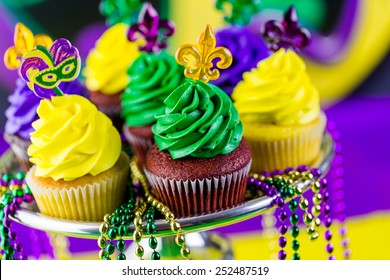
point(79, 172)
point(106, 70)
point(280, 111)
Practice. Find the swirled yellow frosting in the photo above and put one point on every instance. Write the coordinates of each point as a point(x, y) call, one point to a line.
point(106, 65)
point(72, 138)
point(278, 91)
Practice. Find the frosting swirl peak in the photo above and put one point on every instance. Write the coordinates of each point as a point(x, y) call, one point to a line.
point(278, 91)
point(72, 138)
point(106, 65)
point(199, 121)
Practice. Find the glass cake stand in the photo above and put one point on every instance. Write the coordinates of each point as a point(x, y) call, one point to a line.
point(203, 244)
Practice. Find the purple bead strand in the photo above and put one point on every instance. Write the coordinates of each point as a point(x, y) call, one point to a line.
point(337, 187)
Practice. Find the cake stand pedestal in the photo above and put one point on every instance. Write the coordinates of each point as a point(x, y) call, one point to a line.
point(210, 245)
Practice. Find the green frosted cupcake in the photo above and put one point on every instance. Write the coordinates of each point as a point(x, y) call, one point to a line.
point(152, 78)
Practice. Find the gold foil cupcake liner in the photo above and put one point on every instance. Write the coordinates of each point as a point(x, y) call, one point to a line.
point(83, 203)
point(201, 196)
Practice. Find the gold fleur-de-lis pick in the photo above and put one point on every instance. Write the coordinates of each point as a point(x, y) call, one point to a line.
point(24, 41)
point(198, 59)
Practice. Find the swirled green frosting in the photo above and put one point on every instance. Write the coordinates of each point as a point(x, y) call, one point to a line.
point(199, 121)
point(152, 78)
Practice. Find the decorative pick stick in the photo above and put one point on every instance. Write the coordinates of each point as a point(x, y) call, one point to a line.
point(286, 34)
point(153, 30)
point(198, 59)
point(24, 41)
point(44, 69)
point(240, 12)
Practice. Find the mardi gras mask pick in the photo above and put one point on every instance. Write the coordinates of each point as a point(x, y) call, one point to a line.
point(43, 69)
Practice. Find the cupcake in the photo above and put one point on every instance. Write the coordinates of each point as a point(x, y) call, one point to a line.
point(23, 102)
point(79, 171)
point(22, 113)
point(246, 47)
point(278, 104)
point(106, 70)
point(200, 162)
point(152, 77)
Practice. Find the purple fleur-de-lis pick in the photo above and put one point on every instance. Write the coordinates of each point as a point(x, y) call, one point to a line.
point(152, 29)
point(286, 34)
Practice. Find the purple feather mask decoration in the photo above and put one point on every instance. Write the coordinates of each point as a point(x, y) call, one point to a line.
point(43, 69)
point(152, 29)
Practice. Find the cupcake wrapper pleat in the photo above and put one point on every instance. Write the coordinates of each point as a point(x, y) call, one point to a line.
point(201, 196)
point(84, 203)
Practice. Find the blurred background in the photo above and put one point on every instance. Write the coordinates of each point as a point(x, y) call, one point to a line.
point(349, 61)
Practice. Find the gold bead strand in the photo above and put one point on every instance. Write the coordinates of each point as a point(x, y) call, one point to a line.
point(168, 215)
point(137, 234)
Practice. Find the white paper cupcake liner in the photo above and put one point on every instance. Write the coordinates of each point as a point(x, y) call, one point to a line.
point(83, 203)
point(200, 196)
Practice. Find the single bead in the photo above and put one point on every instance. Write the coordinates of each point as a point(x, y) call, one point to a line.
point(316, 172)
point(293, 205)
point(314, 235)
point(317, 198)
point(294, 218)
point(17, 201)
point(175, 226)
point(155, 256)
point(279, 201)
point(329, 248)
point(294, 231)
point(151, 228)
point(102, 254)
point(107, 258)
point(328, 235)
point(331, 258)
point(122, 230)
point(315, 186)
point(302, 168)
point(295, 245)
point(317, 222)
point(169, 216)
point(9, 210)
point(345, 242)
point(121, 245)
point(324, 183)
point(18, 247)
point(296, 257)
point(307, 218)
point(115, 220)
point(282, 241)
point(282, 215)
point(276, 172)
point(326, 196)
point(282, 255)
point(7, 222)
point(139, 251)
point(303, 203)
point(7, 178)
point(180, 239)
point(112, 233)
point(121, 257)
point(288, 170)
point(153, 242)
point(137, 236)
point(7, 198)
point(326, 209)
point(272, 192)
point(103, 228)
point(20, 176)
point(316, 210)
point(290, 192)
point(310, 230)
point(28, 198)
point(185, 252)
point(283, 229)
point(110, 248)
point(298, 190)
point(102, 242)
point(328, 222)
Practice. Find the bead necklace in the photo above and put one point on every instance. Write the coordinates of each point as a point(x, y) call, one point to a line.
point(13, 192)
